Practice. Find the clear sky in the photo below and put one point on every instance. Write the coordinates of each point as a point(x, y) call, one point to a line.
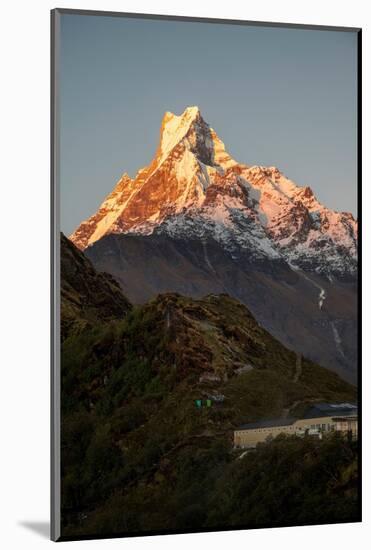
point(275, 96)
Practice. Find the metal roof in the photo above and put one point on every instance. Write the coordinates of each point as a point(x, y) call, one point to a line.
point(315, 411)
point(331, 409)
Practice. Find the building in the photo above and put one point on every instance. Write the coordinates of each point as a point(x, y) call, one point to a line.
point(347, 425)
point(318, 419)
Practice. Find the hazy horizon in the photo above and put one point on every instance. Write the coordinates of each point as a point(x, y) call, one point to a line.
point(275, 96)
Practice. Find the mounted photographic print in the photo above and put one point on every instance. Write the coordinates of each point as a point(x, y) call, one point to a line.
point(205, 303)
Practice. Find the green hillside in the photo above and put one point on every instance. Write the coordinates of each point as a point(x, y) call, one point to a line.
point(139, 455)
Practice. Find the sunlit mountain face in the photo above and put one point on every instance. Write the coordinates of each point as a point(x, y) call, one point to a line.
point(197, 221)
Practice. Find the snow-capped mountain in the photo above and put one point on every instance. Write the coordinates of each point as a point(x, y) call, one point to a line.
point(195, 221)
point(193, 188)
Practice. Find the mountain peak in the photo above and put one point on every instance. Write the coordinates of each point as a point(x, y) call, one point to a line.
point(174, 128)
point(190, 112)
point(197, 137)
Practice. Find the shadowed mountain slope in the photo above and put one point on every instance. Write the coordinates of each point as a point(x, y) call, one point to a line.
point(86, 295)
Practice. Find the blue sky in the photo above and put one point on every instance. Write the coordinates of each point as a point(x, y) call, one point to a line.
point(275, 96)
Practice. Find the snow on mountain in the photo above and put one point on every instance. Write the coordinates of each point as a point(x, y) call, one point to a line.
point(193, 188)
